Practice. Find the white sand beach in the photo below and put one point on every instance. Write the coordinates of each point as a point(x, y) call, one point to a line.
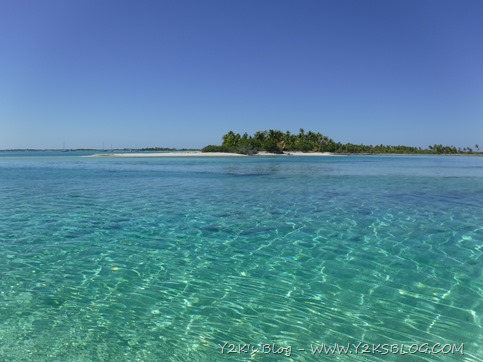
point(300, 154)
point(207, 154)
point(165, 154)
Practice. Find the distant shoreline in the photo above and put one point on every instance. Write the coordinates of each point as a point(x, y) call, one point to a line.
point(199, 153)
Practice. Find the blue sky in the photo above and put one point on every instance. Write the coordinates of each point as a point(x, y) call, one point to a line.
point(182, 73)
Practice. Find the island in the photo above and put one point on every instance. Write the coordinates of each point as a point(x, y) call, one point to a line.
point(278, 142)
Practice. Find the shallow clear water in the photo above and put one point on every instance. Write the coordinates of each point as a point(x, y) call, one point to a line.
point(157, 259)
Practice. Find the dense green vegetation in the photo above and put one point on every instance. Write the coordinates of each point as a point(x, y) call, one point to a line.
point(275, 141)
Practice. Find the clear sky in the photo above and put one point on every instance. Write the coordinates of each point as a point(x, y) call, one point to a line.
point(182, 73)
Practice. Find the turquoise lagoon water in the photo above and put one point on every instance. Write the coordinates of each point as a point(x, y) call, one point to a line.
point(166, 259)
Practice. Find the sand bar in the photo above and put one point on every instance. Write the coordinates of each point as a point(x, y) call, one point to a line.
point(300, 154)
point(206, 154)
point(165, 154)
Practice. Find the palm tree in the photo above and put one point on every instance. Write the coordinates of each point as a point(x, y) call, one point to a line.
point(231, 139)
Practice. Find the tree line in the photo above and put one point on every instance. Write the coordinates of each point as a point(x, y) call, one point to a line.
point(278, 142)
